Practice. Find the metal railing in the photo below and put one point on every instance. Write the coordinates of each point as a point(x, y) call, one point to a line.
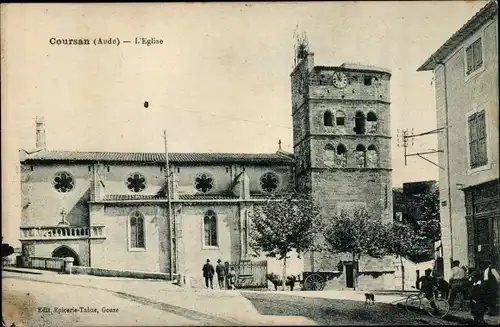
point(55, 264)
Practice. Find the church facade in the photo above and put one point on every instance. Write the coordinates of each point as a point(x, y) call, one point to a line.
point(111, 210)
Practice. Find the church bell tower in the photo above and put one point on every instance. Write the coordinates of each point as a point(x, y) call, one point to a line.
point(341, 138)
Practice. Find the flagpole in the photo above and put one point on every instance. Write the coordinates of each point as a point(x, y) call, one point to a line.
point(171, 226)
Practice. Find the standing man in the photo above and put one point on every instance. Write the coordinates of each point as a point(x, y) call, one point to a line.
point(456, 281)
point(220, 269)
point(208, 274)
point(491, 279)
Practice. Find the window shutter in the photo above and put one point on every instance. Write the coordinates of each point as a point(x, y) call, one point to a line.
point(473, 141)
point(478, 54)
point(468, 54)
point(481, 136)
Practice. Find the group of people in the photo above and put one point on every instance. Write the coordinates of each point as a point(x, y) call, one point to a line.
point(480, 287)
point(224, 274)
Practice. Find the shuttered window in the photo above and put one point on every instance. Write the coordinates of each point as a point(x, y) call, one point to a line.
point(478, 151)
point(474, 56)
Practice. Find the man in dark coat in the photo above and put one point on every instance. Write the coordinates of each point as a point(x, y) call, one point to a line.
point(208, 274)
point(220, 269)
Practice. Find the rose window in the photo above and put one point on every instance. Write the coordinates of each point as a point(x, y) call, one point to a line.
point(204, 182)
point(269, 182)
point(63, 182)
point(136, 182)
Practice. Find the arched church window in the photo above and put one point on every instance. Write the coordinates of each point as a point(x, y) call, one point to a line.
point(328, 118)
point(341, 155)
point(269, 182)
point(204, 182)
point(136, 182)
point(210, 228)
point(372, 157)
point(359, 123)
point(136, 223)
point(63, 182)
point(329, 155)
point(371, 122)
point(340, 118)
point(360, 156)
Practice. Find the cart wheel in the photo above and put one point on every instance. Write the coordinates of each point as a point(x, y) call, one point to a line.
point(314, 282)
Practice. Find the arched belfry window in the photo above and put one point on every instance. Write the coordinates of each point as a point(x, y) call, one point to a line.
point(136, 224)
point(340, 118)
point(210, 228)
point(371, 122)
point(372, 157)
point(328, 118)
point(359, 123)
point(360, 156)
point(341, 156)
point(329, 155)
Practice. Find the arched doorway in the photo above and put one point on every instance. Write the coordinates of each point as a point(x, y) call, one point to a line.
point(64, 252)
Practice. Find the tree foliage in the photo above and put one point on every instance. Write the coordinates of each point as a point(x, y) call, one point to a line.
point(290, 222)
point(403, 241)
point(429, 222)
point(357, 233)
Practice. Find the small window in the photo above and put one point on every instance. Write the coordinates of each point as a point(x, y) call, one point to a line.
point(359, 123)
point(210, 228)
point(371, 116)
point(474, 56)
point(136, 182)
point(368, 80)
point(372, 157)
point(63, 182)
point(328, 118)
point(136, 222)
point(340, 118)
point(269, 182)
point(341, 155)
point(360, 156)
point(204, 182)
point(329, 155)
point(108, 168)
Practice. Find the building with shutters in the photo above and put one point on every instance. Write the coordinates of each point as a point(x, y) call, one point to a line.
point(465, 70)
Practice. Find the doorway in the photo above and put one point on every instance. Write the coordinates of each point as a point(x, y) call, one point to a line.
point(349, 275)
point(63, 252)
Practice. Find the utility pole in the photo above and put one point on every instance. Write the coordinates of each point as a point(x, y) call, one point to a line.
point(404, 135)
point(171, 222)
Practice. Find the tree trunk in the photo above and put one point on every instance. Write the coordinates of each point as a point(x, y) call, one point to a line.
point(402, 273)
point(354, 271)
point(284, 274)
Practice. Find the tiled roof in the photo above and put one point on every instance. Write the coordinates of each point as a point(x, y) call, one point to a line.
point(129, 197)
point(187, 197)
point(483, 15)
point(207, 197)
point(245, 158)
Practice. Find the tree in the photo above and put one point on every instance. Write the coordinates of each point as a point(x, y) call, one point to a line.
point(356, 233)
point(429, 222)
point(285, 223)
point(403, 241)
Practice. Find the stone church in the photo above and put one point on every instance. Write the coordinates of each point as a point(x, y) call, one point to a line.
point(112, 210)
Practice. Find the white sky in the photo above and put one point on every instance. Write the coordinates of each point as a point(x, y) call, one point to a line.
point(231, 60)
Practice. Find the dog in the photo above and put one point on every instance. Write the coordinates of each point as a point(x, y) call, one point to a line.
point(369, 298)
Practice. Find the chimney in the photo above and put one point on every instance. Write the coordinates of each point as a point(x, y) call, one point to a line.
point(40, 133)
